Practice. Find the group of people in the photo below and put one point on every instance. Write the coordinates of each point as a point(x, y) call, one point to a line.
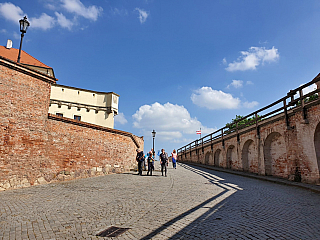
point(164, 161)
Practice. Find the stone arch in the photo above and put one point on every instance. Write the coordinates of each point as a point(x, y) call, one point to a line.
point(247, 155)
point(208, 158)
point(317, 144)
point(231, 156)
point(275, 155)
point(217, 157)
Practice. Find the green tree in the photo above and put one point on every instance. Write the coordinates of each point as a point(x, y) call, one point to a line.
point(244, 122)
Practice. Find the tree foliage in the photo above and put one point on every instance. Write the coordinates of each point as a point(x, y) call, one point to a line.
point(244, 122)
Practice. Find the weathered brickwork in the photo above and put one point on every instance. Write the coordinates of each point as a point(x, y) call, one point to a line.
point(35, 149)
point(77, 151)
point(24, 102)
point(292, 153)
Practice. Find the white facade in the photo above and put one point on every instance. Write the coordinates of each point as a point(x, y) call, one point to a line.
point(84, 105)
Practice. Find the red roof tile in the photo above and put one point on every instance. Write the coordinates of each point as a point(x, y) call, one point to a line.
point(25, 58)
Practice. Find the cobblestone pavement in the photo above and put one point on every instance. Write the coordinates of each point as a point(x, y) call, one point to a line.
point(191, 203)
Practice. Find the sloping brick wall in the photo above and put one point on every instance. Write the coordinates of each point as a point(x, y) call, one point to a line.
point(278, 151)
point(35, 149)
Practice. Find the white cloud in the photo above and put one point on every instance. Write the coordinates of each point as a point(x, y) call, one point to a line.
point(308, 89)
point(63, 21)
point(50, 6)
point(171, 121)
point(14, 13)
point(120, 12)
point(11, 12)
point(224, 61)
point(263, 43)
point(236, 84)
point(250, 104)
point(214, 99)
point(143, 15)
point(249, 60)
point(249, 83)
point(120, 118)
point(77, 7)
point(44, 22)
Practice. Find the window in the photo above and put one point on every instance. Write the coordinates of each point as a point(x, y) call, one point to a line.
point(59, 114)
point(78, 118)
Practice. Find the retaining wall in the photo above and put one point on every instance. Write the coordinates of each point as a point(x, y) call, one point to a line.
point(292, 153)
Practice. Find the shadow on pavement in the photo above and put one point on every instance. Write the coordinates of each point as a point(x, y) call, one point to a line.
point(210, 206)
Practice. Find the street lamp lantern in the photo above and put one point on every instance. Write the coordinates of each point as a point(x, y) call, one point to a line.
point(24, 24)
point(153, 136)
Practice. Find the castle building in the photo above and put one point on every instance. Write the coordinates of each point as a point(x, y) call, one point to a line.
point(84, 105)
point(79, 104)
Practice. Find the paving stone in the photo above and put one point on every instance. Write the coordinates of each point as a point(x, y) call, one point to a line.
point(191, 203)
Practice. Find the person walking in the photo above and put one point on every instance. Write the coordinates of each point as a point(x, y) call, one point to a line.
point(174, 157)
point(150, 161)
point(140, 160)
point(163, 161)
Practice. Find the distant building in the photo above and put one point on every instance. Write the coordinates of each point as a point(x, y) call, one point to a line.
point(80, 104)
point(84, 105)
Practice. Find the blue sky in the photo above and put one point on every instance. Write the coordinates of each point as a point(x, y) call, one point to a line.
point(177, 65)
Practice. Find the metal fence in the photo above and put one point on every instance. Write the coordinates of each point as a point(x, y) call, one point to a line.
point(295, 99)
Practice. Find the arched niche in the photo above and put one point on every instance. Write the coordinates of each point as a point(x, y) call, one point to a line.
point(247, 155)
point(217, 157)
point(208, 158)
point(231, 156)
point(317, 144)
point(274, 155)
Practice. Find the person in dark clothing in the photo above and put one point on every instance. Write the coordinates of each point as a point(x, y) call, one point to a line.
point(140, 160)
point(150, 163)
point(163, 161)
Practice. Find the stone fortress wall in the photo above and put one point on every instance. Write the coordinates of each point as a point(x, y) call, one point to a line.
point(38, 148)
point(285, 145)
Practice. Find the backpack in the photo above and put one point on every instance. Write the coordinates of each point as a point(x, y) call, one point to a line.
point(140, 157)
point(150, 159)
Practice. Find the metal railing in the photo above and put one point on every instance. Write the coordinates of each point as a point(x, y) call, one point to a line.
point(286, 103)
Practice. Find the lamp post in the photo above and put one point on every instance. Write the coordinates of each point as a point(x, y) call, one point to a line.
point(24, 24)
point(153, 136)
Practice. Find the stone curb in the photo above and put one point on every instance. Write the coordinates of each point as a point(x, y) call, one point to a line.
point(313, 188)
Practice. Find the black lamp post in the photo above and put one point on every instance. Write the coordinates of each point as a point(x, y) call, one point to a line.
point(24, 24)
point(153, 136)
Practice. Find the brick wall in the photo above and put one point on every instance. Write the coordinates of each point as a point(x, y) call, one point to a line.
point(24, 101)
point(278, 151)
point(35, 149)
point(83, 151)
